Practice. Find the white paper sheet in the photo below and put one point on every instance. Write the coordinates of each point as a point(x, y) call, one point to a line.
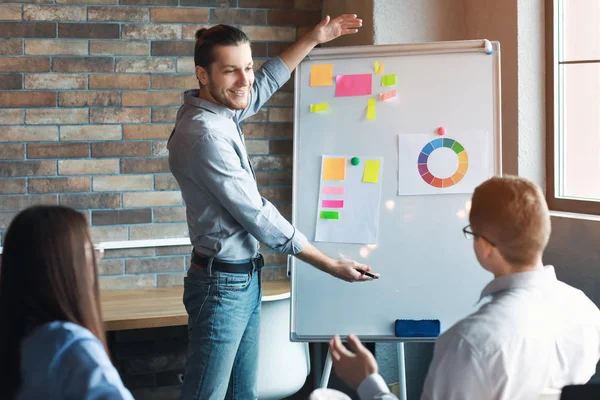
point(359, 218)
point(444, 163)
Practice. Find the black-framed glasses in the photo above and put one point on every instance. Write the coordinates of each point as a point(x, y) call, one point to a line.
point(469, 234)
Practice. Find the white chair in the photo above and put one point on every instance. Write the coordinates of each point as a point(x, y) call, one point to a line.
point(282, 365)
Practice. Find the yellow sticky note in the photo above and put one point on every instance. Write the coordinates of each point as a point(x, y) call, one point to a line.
point(314, 108)
point(334, 169)
point(371, 173)
point(321, 75)
point(381, 68)
point(376, 67)
point(371, 109)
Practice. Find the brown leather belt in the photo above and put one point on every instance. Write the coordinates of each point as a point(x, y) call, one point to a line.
point(251, 265)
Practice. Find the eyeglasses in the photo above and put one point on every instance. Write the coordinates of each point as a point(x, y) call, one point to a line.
point(469, 234)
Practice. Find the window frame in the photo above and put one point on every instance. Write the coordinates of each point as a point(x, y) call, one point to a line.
point(552, 112)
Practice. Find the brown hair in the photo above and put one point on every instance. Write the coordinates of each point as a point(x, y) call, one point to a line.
point(512, 213)
point(219, 35)
point(45, 277)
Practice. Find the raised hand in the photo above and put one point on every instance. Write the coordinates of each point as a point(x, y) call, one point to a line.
point(330, 29)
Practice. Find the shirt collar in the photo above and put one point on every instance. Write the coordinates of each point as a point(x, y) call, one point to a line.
point(192, 97)
point(519, 280)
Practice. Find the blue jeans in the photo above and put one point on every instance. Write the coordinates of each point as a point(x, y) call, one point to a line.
point(223, 325)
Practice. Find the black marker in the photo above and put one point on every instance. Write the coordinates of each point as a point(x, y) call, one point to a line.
point(370, 275)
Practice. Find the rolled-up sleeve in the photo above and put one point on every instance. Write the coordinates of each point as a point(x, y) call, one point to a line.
point(268, 79)
point(218, 167)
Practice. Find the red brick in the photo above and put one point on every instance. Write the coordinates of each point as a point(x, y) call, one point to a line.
point(276, 49)
point(121, 13)
point(309, 4)
point(270, 33)
point(88, 99)
point(174, 82)
point(11, 46)
point(154, 131)
point(172, 48)
point(268, 131)
point(83, 64)
point(150, 2)
point(27, 168)
point(120, 149)
point(266, 3)
point(122, 217)
point(119, 48)
point(271, 162)
point(27, 29)
point(281, 146)
point(294, 17)
point(165, 182)
point(27, 99)
point(164, 115)
point(82, 201)
point(189, 31)
point(59, 185)
point(90, 132)
point(58, 150)
point(10, 12)
point(54, 47)
point(100, 31)
point(24, 133)
point(119, 81)
point(18, 203)
point(151, 99)
point(233, 16)
point(13, 186)
point(189, 15)
point(209, 3)
point(12, 151)
point(25, 64)
point(119, 115)
point(88, 167)
point(54, 13)
point(145, 65)
point(55, 81)
point(11, 81)
point(151, 31)
point(66, 116)
point(136, 166)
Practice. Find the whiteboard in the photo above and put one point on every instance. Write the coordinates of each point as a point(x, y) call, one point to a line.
point(428, 269)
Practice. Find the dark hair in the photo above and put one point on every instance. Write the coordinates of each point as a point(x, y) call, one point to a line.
point(45, 276)
point(219, 35)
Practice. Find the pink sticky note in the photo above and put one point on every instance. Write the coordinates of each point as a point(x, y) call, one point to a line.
point(353, 85)
point(332, 204)
point(387, 95)
point(333, 190)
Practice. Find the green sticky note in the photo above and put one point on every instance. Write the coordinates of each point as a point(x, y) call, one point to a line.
point(330, 215)
point(371, 108)
point(388, 80)
point(314, 108)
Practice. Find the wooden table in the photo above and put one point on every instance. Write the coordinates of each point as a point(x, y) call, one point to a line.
point(153, 308)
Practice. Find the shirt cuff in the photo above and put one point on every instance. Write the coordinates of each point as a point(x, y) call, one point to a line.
point(299, 242)
point(278, 70)
point(371, 386)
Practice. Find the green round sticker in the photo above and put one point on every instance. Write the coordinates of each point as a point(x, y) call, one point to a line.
point(355, 161)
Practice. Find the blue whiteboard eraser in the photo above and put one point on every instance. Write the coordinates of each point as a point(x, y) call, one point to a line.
point(417, 328)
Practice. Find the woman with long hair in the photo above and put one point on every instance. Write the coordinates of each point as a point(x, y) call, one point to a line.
point(52, 341)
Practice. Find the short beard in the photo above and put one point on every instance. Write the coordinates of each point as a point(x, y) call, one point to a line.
point(224, 100)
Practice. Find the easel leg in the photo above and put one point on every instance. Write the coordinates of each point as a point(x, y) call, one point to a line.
point(326, 371)
point(401, 371)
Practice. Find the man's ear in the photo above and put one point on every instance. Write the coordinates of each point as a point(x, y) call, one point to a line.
point(486, 247)
point(202, 75)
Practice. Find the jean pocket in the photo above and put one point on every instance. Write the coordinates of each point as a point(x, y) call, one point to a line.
point(233, 280)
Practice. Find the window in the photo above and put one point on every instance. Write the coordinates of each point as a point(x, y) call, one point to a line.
point(573, 105)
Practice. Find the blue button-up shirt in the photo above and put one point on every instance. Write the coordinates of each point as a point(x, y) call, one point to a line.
point(61, 360)
point(226, 215)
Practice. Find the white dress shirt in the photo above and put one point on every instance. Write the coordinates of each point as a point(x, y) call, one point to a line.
point(535, 333)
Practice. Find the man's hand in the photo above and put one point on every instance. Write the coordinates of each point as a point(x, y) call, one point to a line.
point(349, 270)
point(349, 367)
point(330, 29)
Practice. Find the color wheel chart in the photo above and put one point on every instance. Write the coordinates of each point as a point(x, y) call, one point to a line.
point(443, 182)
point(443, 165)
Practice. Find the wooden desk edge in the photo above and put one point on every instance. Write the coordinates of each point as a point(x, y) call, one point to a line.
point(279, 290)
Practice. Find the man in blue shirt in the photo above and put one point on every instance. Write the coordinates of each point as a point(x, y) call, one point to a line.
point(227, 217)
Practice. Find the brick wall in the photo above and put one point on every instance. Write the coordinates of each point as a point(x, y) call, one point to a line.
point(88, 95)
